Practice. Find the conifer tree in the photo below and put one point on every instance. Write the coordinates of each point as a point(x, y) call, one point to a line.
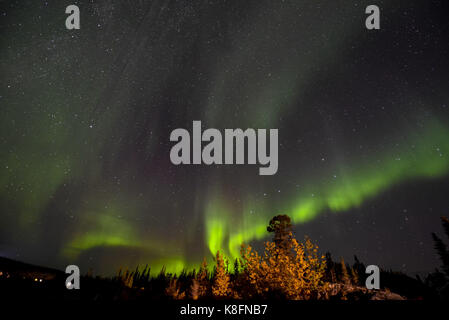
point(441, 247)
point(194, 289)
point(355, 276)
point(236, 266)
point(221, 279)
point(281, 226)
point(344, 272)
point(203, 279)
point(330, 268)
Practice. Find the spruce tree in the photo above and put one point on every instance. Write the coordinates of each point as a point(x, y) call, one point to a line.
point(220, 287)
point(344, 272)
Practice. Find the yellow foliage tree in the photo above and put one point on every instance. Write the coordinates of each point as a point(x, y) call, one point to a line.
point(344, 272)
point(221, 283)
point(202, 280)
point(296, 274)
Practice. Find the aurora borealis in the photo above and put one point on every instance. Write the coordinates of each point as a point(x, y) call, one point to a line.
point(86, 116)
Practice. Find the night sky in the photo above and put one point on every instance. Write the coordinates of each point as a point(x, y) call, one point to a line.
point(86, 116)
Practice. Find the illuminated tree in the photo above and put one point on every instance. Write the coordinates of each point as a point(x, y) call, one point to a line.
point(194, 289)
point(344, 272)
point(202, 279)
point(173, 290)
point(355, 276)
point(295, 273)
point(220, 287)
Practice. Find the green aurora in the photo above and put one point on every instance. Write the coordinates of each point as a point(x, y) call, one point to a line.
point(424, 159)
point(359, 183)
